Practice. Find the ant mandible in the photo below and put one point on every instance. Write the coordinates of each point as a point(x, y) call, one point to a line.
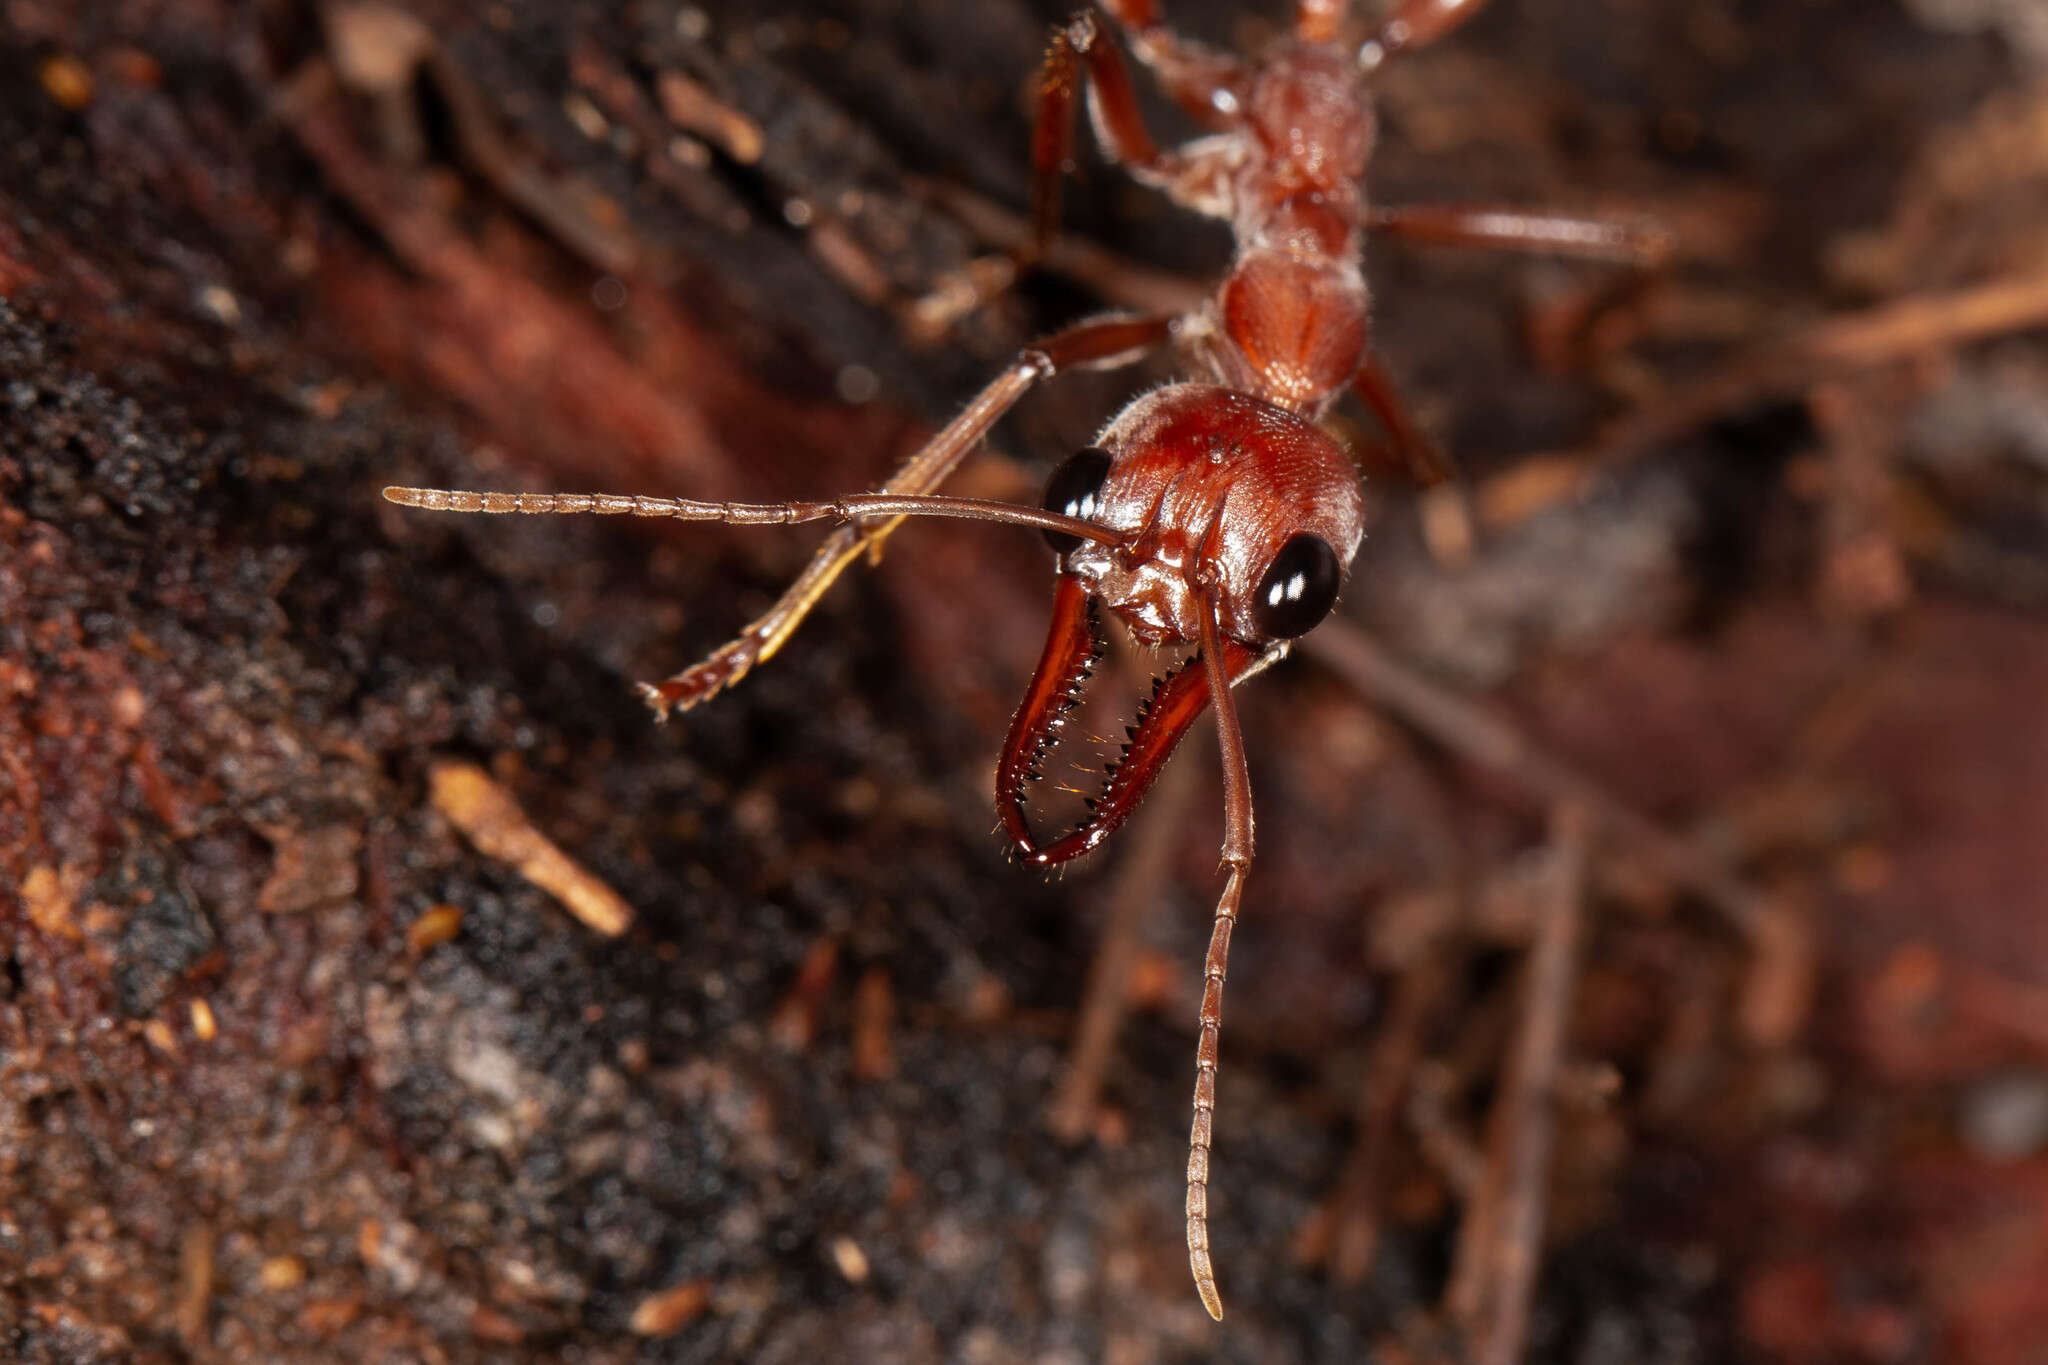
point(1214, 512)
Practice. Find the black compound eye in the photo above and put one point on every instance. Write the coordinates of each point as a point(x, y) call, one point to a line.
point(1075, 490)
point(1299, 589)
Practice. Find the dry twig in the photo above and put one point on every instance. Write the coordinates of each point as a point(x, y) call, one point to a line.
point(1899, 330)
point(1487, 739)
point(1499, 1247)
point(1132, 897)
point(492, 821)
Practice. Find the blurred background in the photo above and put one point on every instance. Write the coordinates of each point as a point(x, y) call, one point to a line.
point(1649, 914)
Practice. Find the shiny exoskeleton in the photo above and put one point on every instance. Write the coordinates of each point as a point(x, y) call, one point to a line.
point(1214, 512)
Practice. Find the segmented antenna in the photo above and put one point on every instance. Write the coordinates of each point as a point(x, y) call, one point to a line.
point(1202, 1134)
point(861, 508)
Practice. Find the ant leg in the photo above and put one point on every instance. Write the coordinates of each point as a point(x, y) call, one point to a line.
point(1207, 83)
point(1422, 458)
point(1416, 23)
point(1237, 860)
point(1101, 344)
point(1082, 50)
point(1636, 241)
point(1082, 47)
point(1119, 126)
point(1138, 16)
point(1319, 21)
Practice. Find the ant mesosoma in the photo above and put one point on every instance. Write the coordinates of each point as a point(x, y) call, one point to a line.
point(1214, 512)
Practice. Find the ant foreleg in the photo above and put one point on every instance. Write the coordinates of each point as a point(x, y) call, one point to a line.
point(1101, 344)
point(1320, 21)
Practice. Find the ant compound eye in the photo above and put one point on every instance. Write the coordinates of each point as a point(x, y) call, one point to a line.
point(1075, 490)
point(1299, 589)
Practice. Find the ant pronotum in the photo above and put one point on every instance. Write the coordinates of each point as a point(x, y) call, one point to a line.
point(1213, 512)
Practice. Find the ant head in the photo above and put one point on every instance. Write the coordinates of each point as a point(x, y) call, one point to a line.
point(1218, 495)
point(1222, 504)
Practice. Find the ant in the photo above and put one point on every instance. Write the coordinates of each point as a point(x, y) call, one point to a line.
point(1213, 512)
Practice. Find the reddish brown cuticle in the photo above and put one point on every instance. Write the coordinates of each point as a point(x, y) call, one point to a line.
point(1175, 701)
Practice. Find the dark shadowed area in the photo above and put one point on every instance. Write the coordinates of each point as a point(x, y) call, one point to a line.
point(1650, 895)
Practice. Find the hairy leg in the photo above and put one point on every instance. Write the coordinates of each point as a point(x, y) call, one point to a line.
point(1207, 83)
point(1635, 241)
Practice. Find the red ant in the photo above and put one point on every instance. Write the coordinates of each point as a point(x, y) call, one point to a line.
point(1213, 512)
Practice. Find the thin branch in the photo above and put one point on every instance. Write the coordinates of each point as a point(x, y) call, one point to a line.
point(1488, 739)
point(1132, 898)
point(1501, 1244)
point(1893, 331)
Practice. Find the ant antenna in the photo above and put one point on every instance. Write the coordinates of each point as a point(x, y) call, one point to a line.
point(1237, 857)
point(860, 508)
